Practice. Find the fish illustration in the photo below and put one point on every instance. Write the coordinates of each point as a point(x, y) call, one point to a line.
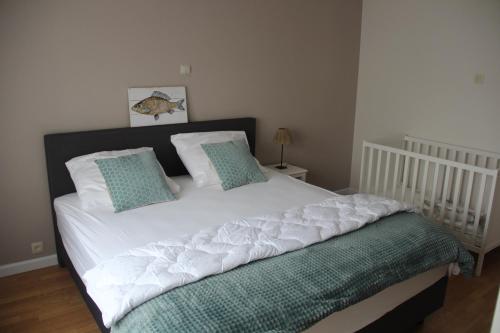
point(157, 104)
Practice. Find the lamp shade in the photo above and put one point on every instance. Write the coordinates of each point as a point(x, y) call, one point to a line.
point(282, 136)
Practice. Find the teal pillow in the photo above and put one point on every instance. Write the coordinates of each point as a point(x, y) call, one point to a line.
point(234, 163)
point(134, 180)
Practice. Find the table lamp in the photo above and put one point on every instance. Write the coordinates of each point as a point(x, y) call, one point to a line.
point(282, 137)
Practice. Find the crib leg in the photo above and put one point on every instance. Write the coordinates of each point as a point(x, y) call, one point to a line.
point(479, 264)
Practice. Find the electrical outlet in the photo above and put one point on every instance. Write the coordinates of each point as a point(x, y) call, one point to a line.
point(37, 247)
point(185, 70)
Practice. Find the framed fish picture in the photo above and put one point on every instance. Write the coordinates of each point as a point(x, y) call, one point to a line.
point(157, 106)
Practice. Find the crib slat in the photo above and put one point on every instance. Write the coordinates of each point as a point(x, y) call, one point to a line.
point(395, 177)
point(453, 176)
point(410, 167)
point(468, 195)
point(488, 210)
point(405, 177)
point(444, 194)
point(479, 205)
point(362, 171)
point(474, 159)
point(424, 185)
point(456, 194)
point(412, 149)
point(434, 189)
point(414, 180)
point(377, 173)
point(386, 175)
point(369, 175)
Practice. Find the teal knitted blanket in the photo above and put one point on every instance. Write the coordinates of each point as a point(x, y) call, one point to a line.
point(291, 292)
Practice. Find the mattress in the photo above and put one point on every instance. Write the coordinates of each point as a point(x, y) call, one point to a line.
point(91, 236)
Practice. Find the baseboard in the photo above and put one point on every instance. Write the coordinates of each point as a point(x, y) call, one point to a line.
point(27, 265)
point(346, 191)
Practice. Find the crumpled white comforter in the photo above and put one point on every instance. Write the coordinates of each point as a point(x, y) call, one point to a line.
point(132, 278)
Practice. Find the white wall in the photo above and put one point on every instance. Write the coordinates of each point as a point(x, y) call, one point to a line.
point(418, 62)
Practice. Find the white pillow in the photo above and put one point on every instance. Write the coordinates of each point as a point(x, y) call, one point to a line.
point(89, 182)
point(196, 161)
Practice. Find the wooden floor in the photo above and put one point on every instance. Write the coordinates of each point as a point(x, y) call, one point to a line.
point(47, 300)
point(469, 303)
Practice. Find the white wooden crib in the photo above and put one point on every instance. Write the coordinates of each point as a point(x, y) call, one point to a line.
point(450, 184)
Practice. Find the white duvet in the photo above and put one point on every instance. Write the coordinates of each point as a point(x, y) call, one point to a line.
point(119, 284)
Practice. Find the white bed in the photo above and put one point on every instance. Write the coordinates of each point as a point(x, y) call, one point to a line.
point(93, 236)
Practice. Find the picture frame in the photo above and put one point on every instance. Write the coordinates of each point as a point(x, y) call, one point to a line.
point(157, 106)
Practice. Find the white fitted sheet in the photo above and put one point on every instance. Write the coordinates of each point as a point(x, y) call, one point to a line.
point(95, 235)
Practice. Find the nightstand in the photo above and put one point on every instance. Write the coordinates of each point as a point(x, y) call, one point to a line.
point(291, 170)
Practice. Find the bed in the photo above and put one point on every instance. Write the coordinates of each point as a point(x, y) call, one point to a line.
point(84, 239)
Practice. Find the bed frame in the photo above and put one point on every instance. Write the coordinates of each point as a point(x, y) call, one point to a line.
point(61, 147)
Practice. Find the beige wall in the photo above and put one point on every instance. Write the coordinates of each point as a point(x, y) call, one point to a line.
point(418, 61)
point(66, 65)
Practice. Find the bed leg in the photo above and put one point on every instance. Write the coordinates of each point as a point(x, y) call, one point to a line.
point(61, 262)
point(61, 256)
point(479, 264)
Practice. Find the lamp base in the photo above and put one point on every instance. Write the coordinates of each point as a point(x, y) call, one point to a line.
point(281, 167)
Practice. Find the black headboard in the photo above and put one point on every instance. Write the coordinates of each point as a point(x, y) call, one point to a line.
point(61, 147)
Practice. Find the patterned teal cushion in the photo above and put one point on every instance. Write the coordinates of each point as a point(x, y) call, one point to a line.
point(234, 163)
point(134, 180)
